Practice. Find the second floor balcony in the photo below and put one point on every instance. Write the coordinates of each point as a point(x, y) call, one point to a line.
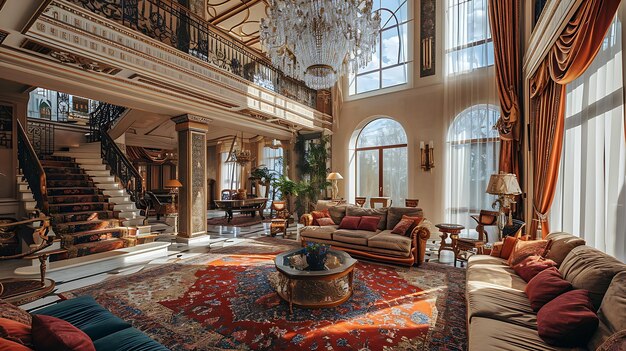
point(175, 25)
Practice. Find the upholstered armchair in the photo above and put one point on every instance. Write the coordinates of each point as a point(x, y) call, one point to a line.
point(160, 208)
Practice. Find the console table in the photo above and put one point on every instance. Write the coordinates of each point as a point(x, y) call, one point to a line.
point(247, 205)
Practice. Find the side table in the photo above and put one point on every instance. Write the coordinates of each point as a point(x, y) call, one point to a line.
point(468, 246)
point(453, 230)
point(279, 225)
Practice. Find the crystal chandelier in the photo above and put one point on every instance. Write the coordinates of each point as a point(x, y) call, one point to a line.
point(317, 41)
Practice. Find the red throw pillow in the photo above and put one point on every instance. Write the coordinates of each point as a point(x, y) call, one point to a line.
point(403, 226)
point(350, 222)
point(15, 313)
point(416, 222)
point(525, 249)
point(319, 214)
point(325, 221)
point(15, 331)
point(8, 345)
point(569, 320)
point(507, 247)
point(545, 286)
point(54, 334)
point(369, 223)
point(531, 266)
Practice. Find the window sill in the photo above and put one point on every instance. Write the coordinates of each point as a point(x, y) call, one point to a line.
point(377, 92)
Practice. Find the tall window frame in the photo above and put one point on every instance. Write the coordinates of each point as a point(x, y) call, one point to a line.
point(383, 154)
point(468, 40)
point(473, 155)
point(395, 23)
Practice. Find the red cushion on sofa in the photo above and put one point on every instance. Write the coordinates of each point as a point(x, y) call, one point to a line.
point(319, 214)
point(15, 331)
point(369, 223)
point(545, 286)
point(416, 222)
point(325, 221)
point(350, 222)
point(569, 320)
point(531, 266)
point(403, 226)
point(54, 334)
point(507, 247)
point(8, 345)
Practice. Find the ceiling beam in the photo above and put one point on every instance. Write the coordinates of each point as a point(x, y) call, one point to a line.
point(233, 11)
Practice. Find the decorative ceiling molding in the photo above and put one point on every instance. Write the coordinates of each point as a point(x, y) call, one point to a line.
point(69, 58)
point(551, 23)
point(239, 18)
point(42, 7)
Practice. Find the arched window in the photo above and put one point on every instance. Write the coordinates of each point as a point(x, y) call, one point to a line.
point(473, 150)
point(389, 64)
point(381, 161)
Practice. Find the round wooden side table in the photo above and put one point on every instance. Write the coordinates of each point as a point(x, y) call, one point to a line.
point(453, 230)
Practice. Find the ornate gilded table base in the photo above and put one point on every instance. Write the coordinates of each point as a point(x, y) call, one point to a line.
point(323, 292)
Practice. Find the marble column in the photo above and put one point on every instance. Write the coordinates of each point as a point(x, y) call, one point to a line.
point(192, 197)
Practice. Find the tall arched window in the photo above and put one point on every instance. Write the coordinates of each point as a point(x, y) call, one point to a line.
point(381, 161)
point(473, 150)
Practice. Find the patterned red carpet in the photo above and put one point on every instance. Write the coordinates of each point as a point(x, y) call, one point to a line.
point(224, 300)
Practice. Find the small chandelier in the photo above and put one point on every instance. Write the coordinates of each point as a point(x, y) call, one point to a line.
point(317, 41)
point(239, 155)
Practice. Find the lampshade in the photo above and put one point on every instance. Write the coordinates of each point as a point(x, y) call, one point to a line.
point(503, 184)
point(334, 176)
point(172, 183)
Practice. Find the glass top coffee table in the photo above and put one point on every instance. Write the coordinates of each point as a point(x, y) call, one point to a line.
point(307, 288)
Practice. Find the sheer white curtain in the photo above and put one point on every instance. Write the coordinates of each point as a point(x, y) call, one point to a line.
point(470, 110)
point(591, 192)
point(229, 173)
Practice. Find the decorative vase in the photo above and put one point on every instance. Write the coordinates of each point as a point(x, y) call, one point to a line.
point(317, 261)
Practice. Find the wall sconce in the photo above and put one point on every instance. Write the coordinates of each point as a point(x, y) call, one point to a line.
point(428, 158)
point(427, 49)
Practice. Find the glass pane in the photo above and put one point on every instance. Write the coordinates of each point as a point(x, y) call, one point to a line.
point(367, 173)
point(395, 172)
point(367, 82)
point(475, 122)
point(393, 41)
point(394, 76)
point(381, 132)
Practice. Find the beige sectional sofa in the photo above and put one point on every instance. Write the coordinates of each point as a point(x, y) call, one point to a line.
point(499, 313)
point(381, 245)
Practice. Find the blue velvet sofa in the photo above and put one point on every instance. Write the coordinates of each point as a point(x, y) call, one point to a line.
point(108, 332)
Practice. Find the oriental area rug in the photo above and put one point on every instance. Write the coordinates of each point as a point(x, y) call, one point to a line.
point(225, 300)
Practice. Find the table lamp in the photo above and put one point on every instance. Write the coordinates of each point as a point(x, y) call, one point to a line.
point(173, 185)
point(334, 177)
point(506, 187)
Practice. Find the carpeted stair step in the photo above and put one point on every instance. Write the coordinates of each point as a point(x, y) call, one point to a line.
point(73, 191)
point(71, 199)
point(62, 170)
point(65, 183)
point(80, 207)
point(57, 158)
point(54, 163)
point(91, 248)
point(92, 236)
point(62, 176)
point(58, 218)
point(83, 226)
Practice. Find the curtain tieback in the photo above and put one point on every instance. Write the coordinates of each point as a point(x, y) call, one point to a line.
point(542, 217)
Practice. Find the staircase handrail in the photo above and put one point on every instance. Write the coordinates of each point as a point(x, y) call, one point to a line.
point(32, 169)
point(121, 166)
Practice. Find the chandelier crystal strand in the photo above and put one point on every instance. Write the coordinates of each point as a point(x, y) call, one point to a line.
point(317, 41)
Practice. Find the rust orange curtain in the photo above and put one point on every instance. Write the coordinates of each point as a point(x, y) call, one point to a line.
point(569, 57)
point(504, 19)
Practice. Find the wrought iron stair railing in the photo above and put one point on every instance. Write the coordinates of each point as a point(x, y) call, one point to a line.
point(31, 168)
point(174, 25)
point(100, 122)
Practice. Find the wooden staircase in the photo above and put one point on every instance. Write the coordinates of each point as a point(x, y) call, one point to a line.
point(80, 212)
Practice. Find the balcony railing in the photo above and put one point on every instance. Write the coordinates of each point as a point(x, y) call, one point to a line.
point(175, 25)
